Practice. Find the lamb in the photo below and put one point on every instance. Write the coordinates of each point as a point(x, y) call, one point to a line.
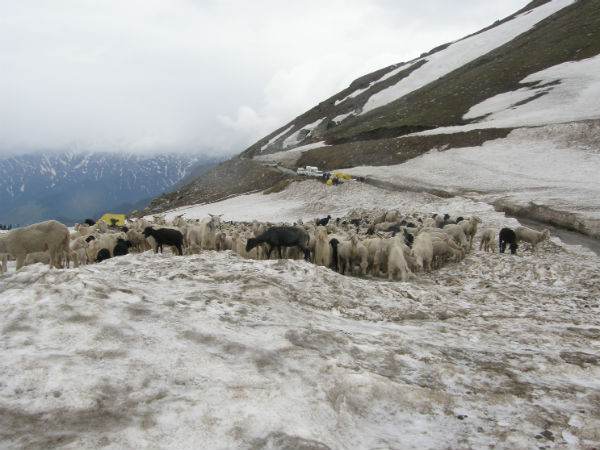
point(165, 236)
point(507, 236)
point(469, 227)
point(531, 236)
point(50, 236)
point(282, 236)
point(488, 240)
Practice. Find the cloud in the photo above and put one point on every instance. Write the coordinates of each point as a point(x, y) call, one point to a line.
point(192, 75)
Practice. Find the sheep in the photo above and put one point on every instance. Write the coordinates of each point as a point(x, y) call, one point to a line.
point(323, 221)
point(102, 254)
point(79, 246)
point(531, 236)
point(378, 254)
point(456, 231)
point(442, 250)
point(282, 236)
point(106, 240)
point(347, 251)
point(422, 251)
point(193, 238)
point(37, 257)
point(122, 247)
point(209, 232)
point(322, 247)
point(488, 240)
point(507, 236)
point(469, 227)
point(396, 261)
point(165, 236)
point(50, 236)
point(138, 241)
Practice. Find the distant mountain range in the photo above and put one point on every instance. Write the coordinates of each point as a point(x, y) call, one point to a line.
point(71, 187)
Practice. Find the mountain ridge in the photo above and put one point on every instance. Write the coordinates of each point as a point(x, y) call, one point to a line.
point(424, 104)
point(75, 185)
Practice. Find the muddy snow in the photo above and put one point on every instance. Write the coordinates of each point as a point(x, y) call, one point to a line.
point(216, 351)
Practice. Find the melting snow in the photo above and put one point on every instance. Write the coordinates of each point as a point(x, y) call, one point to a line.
point(461, 52)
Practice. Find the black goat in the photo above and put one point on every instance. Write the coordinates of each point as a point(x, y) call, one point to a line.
point(89, 222)
point(165, 236)
point(507, 236)
point(122, 247)
point(323, 221)
point(283, 236)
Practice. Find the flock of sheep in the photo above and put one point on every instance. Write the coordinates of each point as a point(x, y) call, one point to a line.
point(387, 244)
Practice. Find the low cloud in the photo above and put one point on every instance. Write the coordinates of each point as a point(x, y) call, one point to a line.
point(185, 75)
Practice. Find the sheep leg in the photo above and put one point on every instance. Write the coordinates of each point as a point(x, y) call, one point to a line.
point(20, 260)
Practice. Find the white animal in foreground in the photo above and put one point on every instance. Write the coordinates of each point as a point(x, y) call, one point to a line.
point(396, 261)
point(531, 236)
point(422, 250)
point(488, 240)
point(50, 236)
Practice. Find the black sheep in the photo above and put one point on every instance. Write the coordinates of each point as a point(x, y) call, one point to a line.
point(334, 260)
point(507, 236)
point(283, 236)
point(165, 236)
point(324, 221)
point(103, 254)
point(122, 247)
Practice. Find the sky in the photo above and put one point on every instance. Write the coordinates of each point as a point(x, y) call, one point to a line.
point(210, 77)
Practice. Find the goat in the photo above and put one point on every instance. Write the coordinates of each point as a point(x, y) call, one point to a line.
point(282, 236)
point(323, 221)
point(165, 236)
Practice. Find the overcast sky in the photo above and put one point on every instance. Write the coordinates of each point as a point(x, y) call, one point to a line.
point(211, 76)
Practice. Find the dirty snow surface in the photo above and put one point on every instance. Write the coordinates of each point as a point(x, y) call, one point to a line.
point(214, 351)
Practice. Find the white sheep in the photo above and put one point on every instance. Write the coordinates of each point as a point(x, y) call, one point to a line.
point(489, 241)
point(422, 250)
point(531, 236)
point(50, 236)
point(456, 231)
point(348, 253)
point(323, 250)
point(396, 261)
point(469, 227)
point(443, 250)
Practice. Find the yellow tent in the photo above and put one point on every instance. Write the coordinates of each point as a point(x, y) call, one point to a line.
point(118, 218)
point(341, 175)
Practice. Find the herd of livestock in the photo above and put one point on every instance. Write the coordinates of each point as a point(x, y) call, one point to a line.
point(383, 244)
